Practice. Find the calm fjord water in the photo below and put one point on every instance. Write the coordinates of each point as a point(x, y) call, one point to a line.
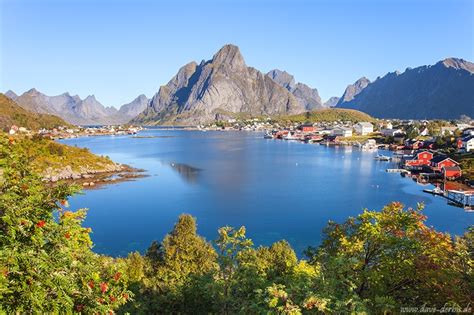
point(277, 189)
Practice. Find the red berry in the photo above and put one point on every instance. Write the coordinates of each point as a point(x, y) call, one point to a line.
point(67, 235)
point(117, 276)
point(91, 284)
point(103, 287)
point(41, 224)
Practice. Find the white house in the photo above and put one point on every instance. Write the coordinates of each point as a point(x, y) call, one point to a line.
point(391, 132)
point(468, 131)
point(342, 131)
point(468, 143)
point(448, 130)
point(424, 132)
point(364, 128)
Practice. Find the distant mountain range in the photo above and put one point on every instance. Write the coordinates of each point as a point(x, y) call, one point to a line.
point(444, 90)
point(225, 87)
point(12, 114)
point(220, 88)
point(77, 111)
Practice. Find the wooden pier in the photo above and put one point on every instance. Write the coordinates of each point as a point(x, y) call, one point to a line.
point(397, 170)
point(464, 199)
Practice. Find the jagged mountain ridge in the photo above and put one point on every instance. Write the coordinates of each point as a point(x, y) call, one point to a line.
point(13, 114)
point(443, 90)
point(307, 96)
point(74, 110)
point(216, 89)
point(332, 101)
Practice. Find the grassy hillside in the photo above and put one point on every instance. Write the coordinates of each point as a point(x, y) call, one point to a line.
point(44, 153)
point(327, 115)
point(12, 114)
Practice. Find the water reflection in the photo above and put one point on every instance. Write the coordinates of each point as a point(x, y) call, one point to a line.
point(188, 173)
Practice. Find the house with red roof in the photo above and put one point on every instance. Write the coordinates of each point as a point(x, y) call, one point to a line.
point(421, 158)
point(440, 161)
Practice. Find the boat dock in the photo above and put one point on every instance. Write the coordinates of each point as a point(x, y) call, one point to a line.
point(397, 170)
point(464, 199)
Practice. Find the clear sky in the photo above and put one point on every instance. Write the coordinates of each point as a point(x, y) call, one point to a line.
point(117, 50)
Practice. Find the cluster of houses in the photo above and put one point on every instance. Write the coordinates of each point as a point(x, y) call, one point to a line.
point(426, 162)
point(67, 132)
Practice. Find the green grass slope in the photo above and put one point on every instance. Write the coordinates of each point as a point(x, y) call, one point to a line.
point(327, 115)
point(12, 114)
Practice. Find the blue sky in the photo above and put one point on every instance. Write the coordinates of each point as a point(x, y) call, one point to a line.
point(117, 50)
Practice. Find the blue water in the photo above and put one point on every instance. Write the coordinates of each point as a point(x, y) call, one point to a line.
point(277, 189)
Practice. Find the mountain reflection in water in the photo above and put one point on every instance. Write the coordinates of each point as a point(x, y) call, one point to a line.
point(187, 172)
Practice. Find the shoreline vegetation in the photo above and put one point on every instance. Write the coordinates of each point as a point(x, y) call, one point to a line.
point(56, 162)
point(377, 262)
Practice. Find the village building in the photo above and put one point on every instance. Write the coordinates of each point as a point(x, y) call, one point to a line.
point(424, 132)
point(468, 131)
point(391, 132)
point(420, 159)
point(440, 161)
point(342, 132)
point(467, 143)
point(413, 144)
point(448, 130)
point(451, 172)
point(306, 128)
point(363, 128)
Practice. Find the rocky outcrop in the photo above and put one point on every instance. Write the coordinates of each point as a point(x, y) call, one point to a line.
point(306, 96)
point(444, 90)
point(221, 87)
point(353, 89)
point(331, 102)
point(134, 108)
point(11, 94)
point(66, 173)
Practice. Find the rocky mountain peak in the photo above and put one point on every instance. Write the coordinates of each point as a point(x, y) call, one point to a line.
point(306, 96)
point(331, 102)
point(458, 63)
point(11, 94)
point(229, 55)
point(283, 78)
point(353, 89)
point(32, 91)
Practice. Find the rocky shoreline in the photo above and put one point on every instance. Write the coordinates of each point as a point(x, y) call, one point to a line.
point(91, 178)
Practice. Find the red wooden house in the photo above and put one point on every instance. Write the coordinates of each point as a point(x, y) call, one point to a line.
point(420, 159)
point(451, 172)
point(438, 162)
point(306, 128)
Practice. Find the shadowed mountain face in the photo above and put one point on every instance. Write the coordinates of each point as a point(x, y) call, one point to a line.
point(77, 111)
point(444, 90)
point(331, 102)
point(220, 88)
point(353, 89)
point(306, 96)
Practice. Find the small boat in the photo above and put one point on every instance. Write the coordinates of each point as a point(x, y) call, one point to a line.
point(381, 157)
point(436, 191)
point(289, 136)
point(268, 136)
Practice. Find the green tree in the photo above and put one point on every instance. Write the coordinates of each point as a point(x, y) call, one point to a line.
point(46, 261)
point(389, 256)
